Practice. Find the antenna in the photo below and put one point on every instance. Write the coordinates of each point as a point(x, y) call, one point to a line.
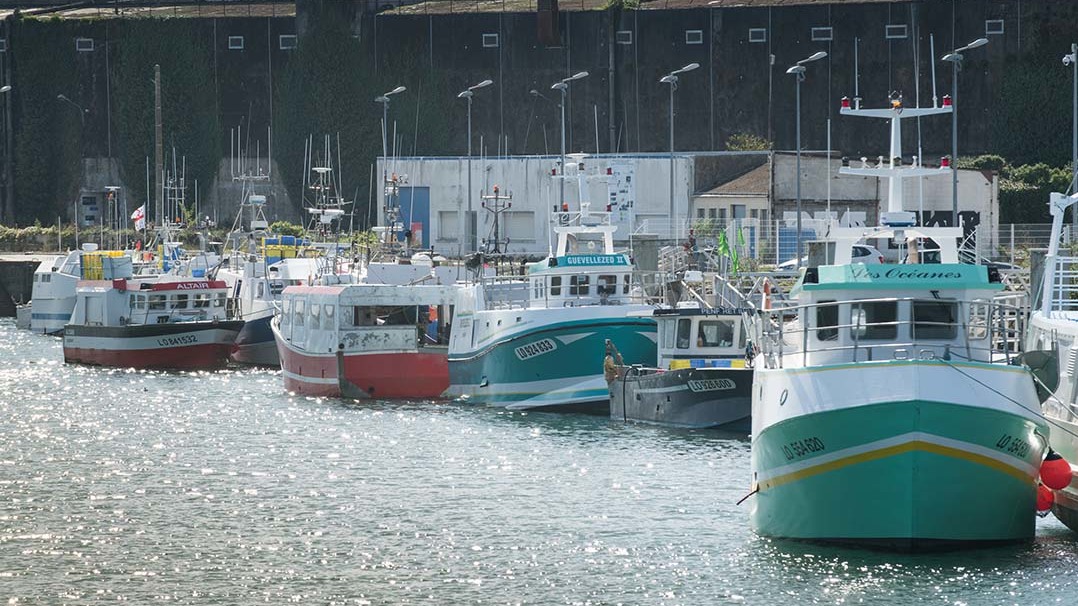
point(856, 83)
point(932, 51)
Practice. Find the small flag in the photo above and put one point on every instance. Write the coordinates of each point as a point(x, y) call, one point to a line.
point(740, 236)
point(139, 217)
point(722, 247)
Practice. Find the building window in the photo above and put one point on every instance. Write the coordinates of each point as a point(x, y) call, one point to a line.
point(711, 213)
point(821, 34)
point(757, 34)
point(993, 27)
point(84, 45)
point(518, 225)
point(895, 32)
point(490, 40)
point(623, 36)
point(448, 225)
point(286, 41)
point(699, 213)
point(694, 36)
point(235, 43)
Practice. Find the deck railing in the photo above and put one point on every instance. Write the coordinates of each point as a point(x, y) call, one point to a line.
point(987, 330)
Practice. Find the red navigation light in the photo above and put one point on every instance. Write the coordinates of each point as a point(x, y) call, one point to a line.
point(945, 162)
point(564, 207)
point(495, 189)
point(845, 103)
point(946, 101)
point(554, 172)
point(609, 170)
point(608, 207)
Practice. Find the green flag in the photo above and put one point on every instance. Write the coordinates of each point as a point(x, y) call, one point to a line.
point(734, 260)
point(740, 236)
point(723, 248)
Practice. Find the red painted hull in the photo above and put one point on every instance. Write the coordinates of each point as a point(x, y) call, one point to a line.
point(193, 346)
point(195, 357)
point(389, 375)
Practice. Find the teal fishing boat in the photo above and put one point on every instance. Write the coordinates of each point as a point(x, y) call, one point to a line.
point(892, 412)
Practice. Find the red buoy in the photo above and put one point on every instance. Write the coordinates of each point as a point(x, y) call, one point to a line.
point(1045, 498)
point(1056, 471)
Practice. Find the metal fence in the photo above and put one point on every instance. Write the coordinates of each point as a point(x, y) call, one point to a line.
point(759, 243)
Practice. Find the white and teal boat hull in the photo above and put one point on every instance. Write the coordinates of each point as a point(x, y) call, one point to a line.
point(549, 359)
point(910, 454)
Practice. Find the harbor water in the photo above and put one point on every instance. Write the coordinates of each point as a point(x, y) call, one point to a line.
point(219, 488)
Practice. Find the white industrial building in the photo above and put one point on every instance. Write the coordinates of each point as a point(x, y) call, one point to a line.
point(754, 187)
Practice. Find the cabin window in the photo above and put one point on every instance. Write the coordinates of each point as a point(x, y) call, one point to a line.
point(357, 316)
point(179, 302)
point(157, 302)
point(684, 333)
point(980, 314)
point(316, 309)
point(827, 321)
point(298, 309)
point(276, 287)
point(625, 284)
point(261, 289)
point(874, 321)
point(715, 333)
point(201, 300)
point(607, 285)
point(286, 305)
point(935, 319)
point(140, 302)
point(219, 300)
point(555, 286)
point(328, 309)
point(579, 285)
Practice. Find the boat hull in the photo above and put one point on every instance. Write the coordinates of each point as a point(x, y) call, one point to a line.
point(1060, 332)
point(913, 463)
point(693, 398)
point(50, 315)
point(422, 374)
point(177, 346)
point(551, 367)
point(255, 344)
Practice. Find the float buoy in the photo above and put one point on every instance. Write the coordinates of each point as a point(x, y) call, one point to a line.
point(1056, 471)
point(1045, 498)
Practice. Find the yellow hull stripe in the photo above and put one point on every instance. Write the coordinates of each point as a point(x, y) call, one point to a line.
point(890, 451)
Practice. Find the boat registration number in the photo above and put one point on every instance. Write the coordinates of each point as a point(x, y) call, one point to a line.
point(537, 348)
point(802, 447)
point(711, 385)
point(180, 340)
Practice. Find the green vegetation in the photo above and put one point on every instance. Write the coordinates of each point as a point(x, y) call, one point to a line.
point(284, 228)
point(747, 142)
point(1024, 189)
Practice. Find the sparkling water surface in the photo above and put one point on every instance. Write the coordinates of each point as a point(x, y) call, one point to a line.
point(220, 488)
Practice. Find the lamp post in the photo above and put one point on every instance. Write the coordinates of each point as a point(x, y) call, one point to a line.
point(384, 100)
point(563, 87)
point(1071, 60)
point(82, 111)
point(7, 210)
point(465, 226)
point(955, 57)
point(672, 80)
point(798, 71)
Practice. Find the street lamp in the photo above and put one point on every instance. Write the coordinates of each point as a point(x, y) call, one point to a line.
point(384, 100)
point(672, 80)
point(7, 212)
point(465, 227)
point(955, 57)
point(82, 112)
point(563, 86)
point(798, 71)
point(1070, 60)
